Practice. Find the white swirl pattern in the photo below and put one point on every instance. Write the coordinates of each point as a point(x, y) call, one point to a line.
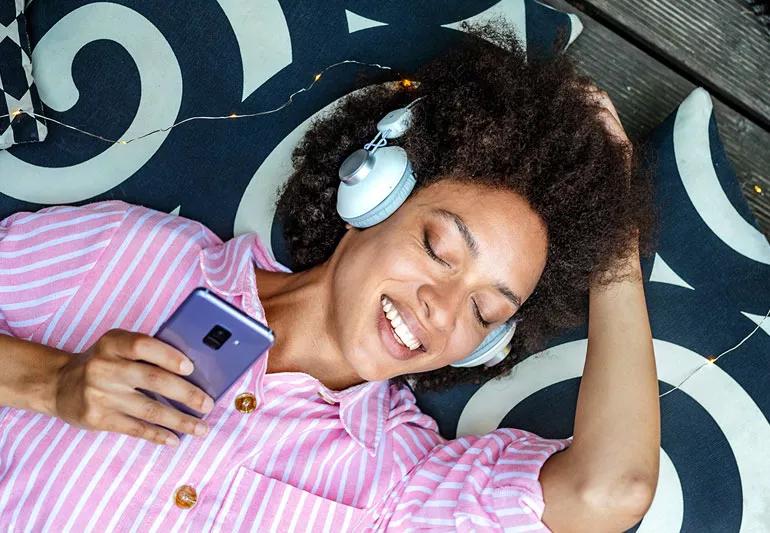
point(714, 390)
point(161, 97)
point(691, 141)
point(260, 60)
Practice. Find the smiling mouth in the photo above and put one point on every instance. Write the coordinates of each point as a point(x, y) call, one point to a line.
point(398, 329)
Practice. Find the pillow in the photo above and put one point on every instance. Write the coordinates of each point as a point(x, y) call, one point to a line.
point(122, 69)
point(16, 84)
point(706, 289)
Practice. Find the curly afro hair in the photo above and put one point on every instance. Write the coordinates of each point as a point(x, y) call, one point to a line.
point(493, 118)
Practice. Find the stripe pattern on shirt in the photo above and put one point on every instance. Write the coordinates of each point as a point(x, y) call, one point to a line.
point(365, 458)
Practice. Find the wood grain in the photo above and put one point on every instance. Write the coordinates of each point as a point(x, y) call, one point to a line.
point(717, 43)
point(645, 91)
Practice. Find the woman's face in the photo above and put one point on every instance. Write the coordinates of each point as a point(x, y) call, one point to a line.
point(490, 249)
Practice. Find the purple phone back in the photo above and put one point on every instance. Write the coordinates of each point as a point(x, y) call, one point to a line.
point(216, 370)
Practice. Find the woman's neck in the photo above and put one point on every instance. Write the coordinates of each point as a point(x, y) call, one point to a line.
point(297, 308)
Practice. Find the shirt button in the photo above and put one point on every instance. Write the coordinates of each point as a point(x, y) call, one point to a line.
point(326, 398)
point(245, 402)
point(185, 497)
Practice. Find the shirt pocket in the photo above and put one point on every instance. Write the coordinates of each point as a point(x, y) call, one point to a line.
point(254, 499)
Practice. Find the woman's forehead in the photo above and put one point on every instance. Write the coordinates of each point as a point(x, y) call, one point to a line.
point(485, 205)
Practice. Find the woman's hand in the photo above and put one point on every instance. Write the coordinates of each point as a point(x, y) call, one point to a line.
point(608, 115)
point(96, 389)
point(609, 118)
point(611, 122)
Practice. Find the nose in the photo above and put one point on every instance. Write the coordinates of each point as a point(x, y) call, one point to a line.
point(440, 304)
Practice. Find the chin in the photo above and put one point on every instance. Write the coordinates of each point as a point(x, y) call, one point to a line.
point(368, 370)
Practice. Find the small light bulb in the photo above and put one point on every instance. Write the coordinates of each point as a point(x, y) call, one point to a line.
point(317, 77)
point(711, 360)
point(123, 142)
point(757, 189)
point(232, 115)
point(406, 83)
point(16, 113)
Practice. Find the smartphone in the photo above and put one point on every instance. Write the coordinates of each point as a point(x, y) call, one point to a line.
point(221, 340)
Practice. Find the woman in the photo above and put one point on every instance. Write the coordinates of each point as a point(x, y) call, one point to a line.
point(525, 180)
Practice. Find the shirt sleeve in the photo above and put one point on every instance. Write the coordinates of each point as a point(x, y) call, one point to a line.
point(46, 255)
point(472, 483)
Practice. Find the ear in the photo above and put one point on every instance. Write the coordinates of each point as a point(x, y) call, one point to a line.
point(348, 226)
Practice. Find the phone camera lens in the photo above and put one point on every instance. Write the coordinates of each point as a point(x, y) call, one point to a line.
point(216, 337)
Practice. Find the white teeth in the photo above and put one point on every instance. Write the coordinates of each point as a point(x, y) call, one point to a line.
point(402, 333)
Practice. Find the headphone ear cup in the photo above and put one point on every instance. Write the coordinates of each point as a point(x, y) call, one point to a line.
point(356, 167)
point(374, 184)
point(388, 206)
point(493, 349)
point(385, 188)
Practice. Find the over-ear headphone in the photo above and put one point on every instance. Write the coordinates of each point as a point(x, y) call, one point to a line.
point(375, 182)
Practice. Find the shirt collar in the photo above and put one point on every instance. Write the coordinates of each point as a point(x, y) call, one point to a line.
point(229, 270)
point(364, 408)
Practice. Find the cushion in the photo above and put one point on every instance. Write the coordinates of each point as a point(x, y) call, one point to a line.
point(706, 290)
point(120, 70)
point(20, 101)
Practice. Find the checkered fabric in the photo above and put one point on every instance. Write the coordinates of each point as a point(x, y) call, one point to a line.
point(17, 89)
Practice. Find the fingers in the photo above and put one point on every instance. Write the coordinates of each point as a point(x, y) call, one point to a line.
point(121, 423)
point(613, 127)
point(607, 112)
point(600, 97)
point(146, 409)
point(138, 346)
point(160, 381)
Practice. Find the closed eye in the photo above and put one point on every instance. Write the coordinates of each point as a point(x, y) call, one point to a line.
point(481, 320)
point(429, 250)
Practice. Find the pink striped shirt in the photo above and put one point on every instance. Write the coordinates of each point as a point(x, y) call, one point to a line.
point(306, 459)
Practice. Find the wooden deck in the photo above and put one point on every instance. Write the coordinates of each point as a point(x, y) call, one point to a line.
point(649, 54)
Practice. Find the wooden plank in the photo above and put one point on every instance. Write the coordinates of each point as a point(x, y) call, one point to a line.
point(717, 44)
point(645, 91)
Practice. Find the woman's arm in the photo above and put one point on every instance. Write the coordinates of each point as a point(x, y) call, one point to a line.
point(606, 479)
point(28, 376)
point(96, 389)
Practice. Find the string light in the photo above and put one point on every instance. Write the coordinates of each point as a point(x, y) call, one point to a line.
point(712, 361)
point(405, 83)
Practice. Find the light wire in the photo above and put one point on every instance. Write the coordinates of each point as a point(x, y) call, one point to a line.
point(14, 114)
point(231, 116)
point(713, 361)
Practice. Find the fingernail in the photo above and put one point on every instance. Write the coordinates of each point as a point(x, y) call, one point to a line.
point(200, 429)
point(208, 405)
point(172, 441)
point(186, 367)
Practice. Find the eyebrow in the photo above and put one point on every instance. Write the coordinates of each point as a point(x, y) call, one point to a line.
point(473, 247)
